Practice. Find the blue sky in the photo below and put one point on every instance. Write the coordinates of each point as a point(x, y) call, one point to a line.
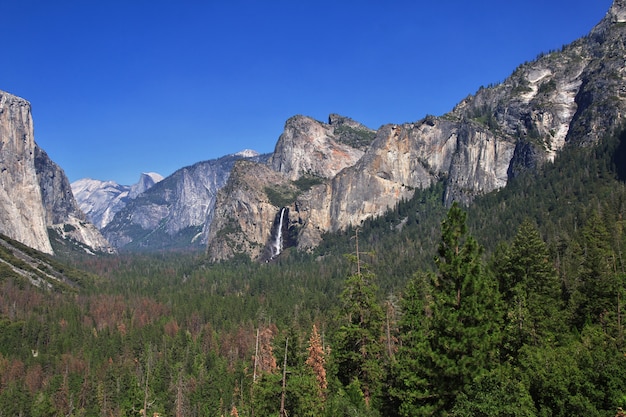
point(120, 87)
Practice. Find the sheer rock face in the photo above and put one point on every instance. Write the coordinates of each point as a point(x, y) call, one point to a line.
point(574, 96)
point(22, 214)
point(62, 211)
point(176, 211)
point(402, 159)
point(100, 200)
point(247, 206)
point(35, 194)
point(310, 147)
point(244, 213)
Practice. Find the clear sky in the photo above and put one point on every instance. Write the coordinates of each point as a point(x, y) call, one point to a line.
point(120, 87)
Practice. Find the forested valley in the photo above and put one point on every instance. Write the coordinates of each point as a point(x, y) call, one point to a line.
point(509, 307)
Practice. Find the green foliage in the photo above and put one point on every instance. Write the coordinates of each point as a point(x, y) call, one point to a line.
point(462, 333)
point(498, 393)
point(280, 196)
point(283, 196)
point(356, 138)
point(306, 182)
point(358, 340)
point(531, 291)
point(178, 332)
point(547, 87)
point(484, 115)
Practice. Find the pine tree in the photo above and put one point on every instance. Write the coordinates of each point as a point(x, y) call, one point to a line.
point(411, 389)
point(359, 348)
point(531, 290)
point(457, 342)
point(596, 297)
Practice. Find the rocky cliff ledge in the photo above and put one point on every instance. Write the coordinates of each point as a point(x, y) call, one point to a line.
point(35, 194)
point(22, 215)
point(61, 209)
point(573, 96)
point(310, 147)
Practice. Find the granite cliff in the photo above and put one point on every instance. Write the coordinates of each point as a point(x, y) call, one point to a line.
point(22, 214)
point(64, 219)
point(100, 200)
point(35, 194)
point(570, 97)
point(176, 211)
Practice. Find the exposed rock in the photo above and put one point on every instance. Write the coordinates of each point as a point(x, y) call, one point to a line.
point(62, 211)
point(176, 211)
point(310, 147)
point(402, 159)
point(246, 209)
point(146, 181)
point(35, 194)
point(100, 200)
point(22, 214)
point(576, 95)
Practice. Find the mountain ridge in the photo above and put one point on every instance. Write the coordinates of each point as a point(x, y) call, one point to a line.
point(576, 95)
point(174, 213)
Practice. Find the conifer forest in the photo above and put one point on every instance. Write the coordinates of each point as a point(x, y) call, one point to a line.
point(511, 306)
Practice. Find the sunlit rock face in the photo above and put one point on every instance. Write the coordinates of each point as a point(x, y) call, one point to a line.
point(246, 209)
point(100, 200)
point(63, 214)
point(402, 159)
point(22, 215)
point(35, 193)
point(310, 147)
point(574, 96)
point(176, 211)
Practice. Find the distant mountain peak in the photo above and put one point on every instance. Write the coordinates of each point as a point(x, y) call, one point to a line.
point(247, 153)
point(617, 12)
point(156, 177)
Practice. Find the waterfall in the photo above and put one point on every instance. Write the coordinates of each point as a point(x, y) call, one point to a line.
point(277, 247)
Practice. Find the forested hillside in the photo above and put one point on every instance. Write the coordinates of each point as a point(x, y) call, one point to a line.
point(510, 307)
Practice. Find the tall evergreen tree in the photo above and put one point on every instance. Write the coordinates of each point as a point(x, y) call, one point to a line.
point(531, 291)
point(459, 341)
point(359, 341)
point(411, 389)
point(596, 298)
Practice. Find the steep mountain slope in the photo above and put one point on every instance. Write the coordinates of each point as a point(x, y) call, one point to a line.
point(309, 147)
point(576, 95)
point(34, 192)
point(100, 200)
point(63, 216)
point(23, 264)
point(176, 211)
point(307, 155)
point(22, 215)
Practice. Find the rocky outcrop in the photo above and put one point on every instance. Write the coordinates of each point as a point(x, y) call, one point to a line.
point(22, 215)
point(100, 200)
point(310, 147)
point(307, 155)
point(403, 158)
point(176, 211)
point(146, 181)
point(35, 194)
point(246, 210)
point(576, 95)
point(61, 209)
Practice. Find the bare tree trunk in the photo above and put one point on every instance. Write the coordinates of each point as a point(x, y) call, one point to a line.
point(256, 354)
point(180, 412)
point(145, 393)
point(283, 412)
